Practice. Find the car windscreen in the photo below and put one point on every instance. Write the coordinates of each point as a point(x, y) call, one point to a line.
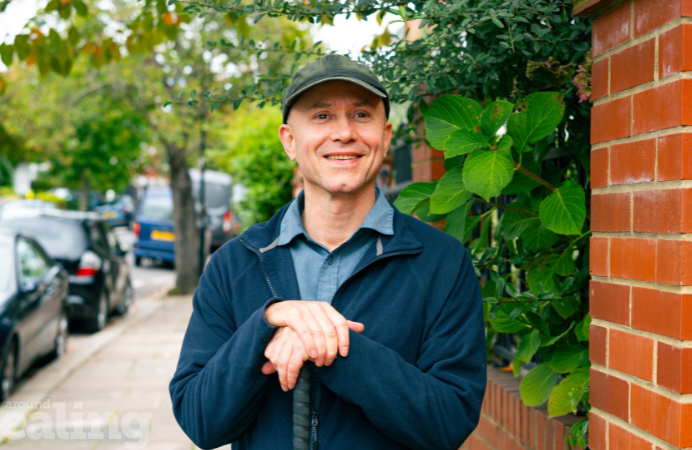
point(157, 208)
point(61, 239)
point(5, 266)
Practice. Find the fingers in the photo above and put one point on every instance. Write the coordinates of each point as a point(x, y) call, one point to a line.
point(301, 322)
point(295, 363)
point(328, 335)
point(276, 356)
point(268, 368)
point(356, 326)
point(289, 360)
point(341, 325)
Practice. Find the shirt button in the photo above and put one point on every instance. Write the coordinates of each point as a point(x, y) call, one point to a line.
point(330, 260)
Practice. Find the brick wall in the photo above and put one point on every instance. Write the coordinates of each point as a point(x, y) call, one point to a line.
point(641, 249)
point(507, 424)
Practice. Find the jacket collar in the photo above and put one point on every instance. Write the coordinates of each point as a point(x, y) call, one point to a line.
point(379, 218)
point(263, 239)
point(264, 236)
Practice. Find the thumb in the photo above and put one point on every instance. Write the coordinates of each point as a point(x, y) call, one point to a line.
point(356, 326)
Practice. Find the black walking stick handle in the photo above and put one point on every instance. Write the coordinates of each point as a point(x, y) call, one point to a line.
point(301, 410)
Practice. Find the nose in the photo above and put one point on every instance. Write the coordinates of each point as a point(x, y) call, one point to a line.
point(343, 130)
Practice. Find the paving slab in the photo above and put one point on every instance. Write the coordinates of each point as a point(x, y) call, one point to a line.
point(108, 393)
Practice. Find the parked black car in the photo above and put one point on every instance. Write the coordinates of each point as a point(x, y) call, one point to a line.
point(99, 277)
point(33, 306)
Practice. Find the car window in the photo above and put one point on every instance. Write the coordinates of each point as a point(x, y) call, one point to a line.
point(110, 238)
point(61, 239)
point(97, 237)
point(158, 208)
point(215, 195)
point(31, 262)
point(6, 271)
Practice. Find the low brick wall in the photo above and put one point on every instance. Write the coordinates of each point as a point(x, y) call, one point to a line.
point(507, 424)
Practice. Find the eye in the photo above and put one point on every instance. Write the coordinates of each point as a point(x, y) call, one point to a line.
point(321, 116)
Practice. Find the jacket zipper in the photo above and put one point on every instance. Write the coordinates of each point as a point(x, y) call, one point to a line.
point(314, 380)
point(264, 268)
point(313, 431)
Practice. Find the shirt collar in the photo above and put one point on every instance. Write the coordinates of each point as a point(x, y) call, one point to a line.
point(380, 218)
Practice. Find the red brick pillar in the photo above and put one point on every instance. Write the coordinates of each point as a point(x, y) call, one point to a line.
point(641, 249)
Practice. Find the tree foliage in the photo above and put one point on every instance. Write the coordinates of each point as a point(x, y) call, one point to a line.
point(250, 150)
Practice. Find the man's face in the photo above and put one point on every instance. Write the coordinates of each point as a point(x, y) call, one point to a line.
point(338, 133)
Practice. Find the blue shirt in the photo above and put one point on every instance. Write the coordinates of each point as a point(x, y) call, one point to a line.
point(320, 272)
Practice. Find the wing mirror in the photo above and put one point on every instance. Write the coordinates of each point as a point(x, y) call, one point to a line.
point(29, 285)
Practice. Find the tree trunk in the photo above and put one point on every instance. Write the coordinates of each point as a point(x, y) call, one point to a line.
point(187, 235)
point(84, 193)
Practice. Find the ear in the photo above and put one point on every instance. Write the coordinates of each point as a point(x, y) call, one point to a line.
point(387, 137)
point(286, 137)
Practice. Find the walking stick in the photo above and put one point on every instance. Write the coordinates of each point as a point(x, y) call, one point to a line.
point(301, 410)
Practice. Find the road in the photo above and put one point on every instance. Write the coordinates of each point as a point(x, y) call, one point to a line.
point(148, 278)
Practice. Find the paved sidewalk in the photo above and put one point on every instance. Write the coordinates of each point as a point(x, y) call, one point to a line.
point(111, 392)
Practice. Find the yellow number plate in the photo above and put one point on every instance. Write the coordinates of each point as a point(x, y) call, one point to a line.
point(108, 214)
point(162, 236)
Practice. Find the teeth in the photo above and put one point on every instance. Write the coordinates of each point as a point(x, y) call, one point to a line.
point(342, 157)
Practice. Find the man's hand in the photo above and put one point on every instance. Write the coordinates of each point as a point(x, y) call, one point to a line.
point(286, 354)
point(321, 328)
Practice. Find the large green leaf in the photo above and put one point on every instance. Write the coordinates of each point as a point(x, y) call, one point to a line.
point(503, 323)
point(465, 141)
point(559, 403)
point(528, 346)
point(494, 116)
point(565, 306)
point(448, 114)
point(456, 221)
point(411, 197)
point(566, 358)
point(520, 184)
point(424, 214)
point(564, 210)
point(514, 222)
point(450, 192)
point(535, 235)
point(487, 172)
point(543, 113)
point(536, 386)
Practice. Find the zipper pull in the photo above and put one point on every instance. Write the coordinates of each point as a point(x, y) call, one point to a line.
point(314, 420)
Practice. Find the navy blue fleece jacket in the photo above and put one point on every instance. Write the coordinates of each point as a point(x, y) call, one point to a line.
point(414, 379)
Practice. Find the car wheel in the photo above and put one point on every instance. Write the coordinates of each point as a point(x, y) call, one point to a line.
point(61, 336)
point(98, 322)
point(128, 299)
point(8, 373)
point(138, 261)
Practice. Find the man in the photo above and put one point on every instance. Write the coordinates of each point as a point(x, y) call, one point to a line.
point(385, 309)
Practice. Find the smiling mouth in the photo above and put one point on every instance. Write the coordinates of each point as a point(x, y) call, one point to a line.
point(343, 156)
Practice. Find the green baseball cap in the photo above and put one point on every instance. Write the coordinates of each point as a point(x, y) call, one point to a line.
point(329, 68)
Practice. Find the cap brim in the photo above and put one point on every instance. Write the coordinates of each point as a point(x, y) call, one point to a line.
point(360, 83)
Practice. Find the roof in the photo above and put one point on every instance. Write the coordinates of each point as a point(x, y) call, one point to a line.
point(211, 176)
